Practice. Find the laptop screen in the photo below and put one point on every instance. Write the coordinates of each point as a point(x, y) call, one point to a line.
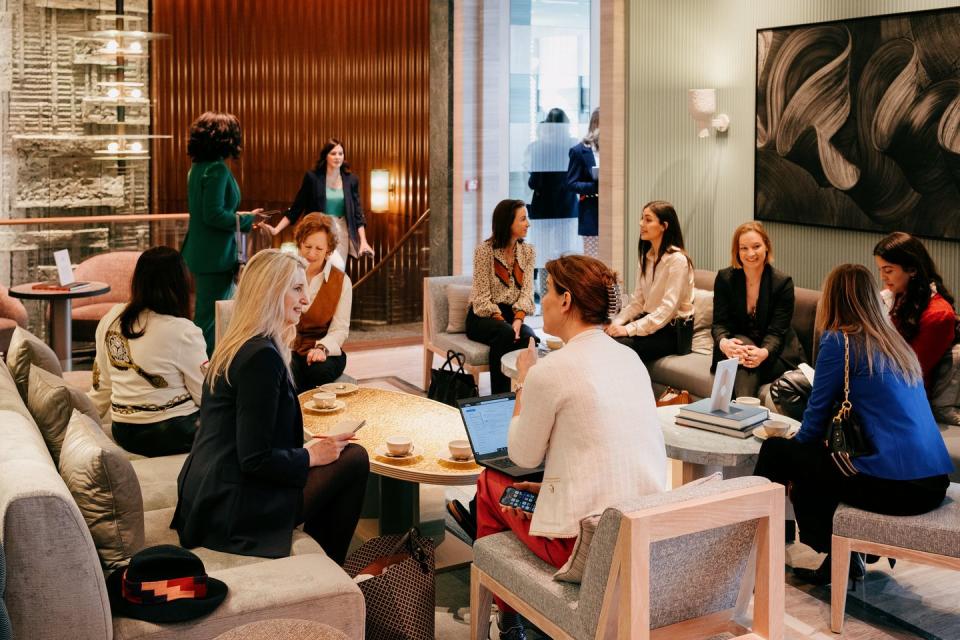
point(487, 421)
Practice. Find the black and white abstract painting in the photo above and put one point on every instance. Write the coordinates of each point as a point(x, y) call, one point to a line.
point(858, 124)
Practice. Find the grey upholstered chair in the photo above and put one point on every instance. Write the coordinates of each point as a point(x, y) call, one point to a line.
point(436, 338)
point(670, 565)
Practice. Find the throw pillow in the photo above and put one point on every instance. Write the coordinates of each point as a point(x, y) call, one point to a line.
point(458, 298)
point(26, 349)
point(106, 489)
point(702, 321)
point(51, 401)
point(945, 392)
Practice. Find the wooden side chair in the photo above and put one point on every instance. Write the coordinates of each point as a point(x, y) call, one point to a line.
point(679, 564)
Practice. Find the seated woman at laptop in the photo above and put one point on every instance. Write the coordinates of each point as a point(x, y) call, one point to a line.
point(581, 411)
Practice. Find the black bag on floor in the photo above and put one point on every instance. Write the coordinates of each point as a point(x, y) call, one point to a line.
point(790, 393)
point(400, 595)
point(448, 385)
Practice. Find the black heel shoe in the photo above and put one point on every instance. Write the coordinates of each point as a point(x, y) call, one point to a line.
point(872, 559)
point(462, 516)
point(821, 575)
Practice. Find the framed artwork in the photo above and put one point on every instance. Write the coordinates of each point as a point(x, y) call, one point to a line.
point(858, 124)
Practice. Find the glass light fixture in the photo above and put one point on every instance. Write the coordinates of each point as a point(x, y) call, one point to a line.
point(113, 146)
point(379, 190)
point(113, 92)
point(111, 46)
point(702, 105)
point(135, 47)
point(136, 93)
point(135, 147)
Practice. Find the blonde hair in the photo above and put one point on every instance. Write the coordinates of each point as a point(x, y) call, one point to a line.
point(851, 303)
point(315, 223)
point(747, 227)
point(258, 309)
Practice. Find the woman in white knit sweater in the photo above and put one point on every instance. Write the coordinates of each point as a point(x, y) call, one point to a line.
point(587, 411)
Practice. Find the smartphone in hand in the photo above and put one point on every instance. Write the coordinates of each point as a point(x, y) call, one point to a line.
point(519, 499)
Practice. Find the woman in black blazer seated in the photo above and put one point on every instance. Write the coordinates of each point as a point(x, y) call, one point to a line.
point(330, 188)
point(752, 311)
point(249, 480)
point(580, 180)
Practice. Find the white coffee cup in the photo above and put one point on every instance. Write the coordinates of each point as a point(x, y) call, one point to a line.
point(324, 399)
point(554, 343)
point(399, 445)
point(749, 401)
point(776, 428)
point(460, 449)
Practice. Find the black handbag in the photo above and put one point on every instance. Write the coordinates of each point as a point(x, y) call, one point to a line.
point(846, 438)
point(448, 385)
point(684, 329)
point(790, 393)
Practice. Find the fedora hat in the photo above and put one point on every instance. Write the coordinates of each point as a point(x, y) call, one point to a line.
point(164, 583)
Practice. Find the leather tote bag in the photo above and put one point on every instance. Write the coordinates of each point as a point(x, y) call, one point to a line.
point(447, 384)
point(790, 392)
point(846, 437)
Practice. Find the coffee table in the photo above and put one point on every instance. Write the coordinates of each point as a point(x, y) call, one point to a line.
point(431, 425)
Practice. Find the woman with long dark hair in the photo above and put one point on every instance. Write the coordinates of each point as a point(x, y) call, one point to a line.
point(659, 319)
point(148, 367)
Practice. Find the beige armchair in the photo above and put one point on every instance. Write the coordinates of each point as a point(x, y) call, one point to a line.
point(436, 338)
point(116, 269)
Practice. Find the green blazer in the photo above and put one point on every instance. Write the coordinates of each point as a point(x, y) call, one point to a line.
point(213, 196)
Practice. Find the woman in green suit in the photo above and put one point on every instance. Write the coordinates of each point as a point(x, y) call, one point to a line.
point(210, 247)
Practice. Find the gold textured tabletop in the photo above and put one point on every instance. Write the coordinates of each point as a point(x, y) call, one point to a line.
point(431, 425)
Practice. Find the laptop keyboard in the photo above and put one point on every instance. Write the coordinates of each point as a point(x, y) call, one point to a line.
point(506, 463)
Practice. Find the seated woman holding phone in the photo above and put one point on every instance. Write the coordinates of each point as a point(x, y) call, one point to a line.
point(582, 411)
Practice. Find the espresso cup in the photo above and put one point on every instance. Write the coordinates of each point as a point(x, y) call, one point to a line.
point(460, 449)
point(749, 401)
point(775, 428)
point(399, 445)
point(554, 343)
point(324, 399)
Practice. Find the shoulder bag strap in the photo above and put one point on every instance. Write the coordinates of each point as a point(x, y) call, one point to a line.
point(846, 405)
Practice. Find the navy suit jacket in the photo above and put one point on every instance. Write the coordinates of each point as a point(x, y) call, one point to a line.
point(580, 181)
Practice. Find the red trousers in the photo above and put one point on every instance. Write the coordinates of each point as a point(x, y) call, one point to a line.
point(490, 520)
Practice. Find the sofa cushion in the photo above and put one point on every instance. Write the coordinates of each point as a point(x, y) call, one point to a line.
point(26, 349)
point(458, 299)
point(945, 393)
point(158, 480)
point(106, 490)
point(284, 629)
point(690, 372)
point(51, 402)
point(702, 322)
point(477, 353)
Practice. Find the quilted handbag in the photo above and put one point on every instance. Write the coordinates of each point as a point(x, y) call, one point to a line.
point(447, 385)
point(400, 597)
point(790, 392)
point(846, 437)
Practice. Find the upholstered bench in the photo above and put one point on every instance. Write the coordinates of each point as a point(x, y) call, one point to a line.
point(932, 538)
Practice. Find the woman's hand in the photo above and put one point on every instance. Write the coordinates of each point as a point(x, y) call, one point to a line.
point(255, 212)
point(616, 331)
point(365, 249)
point(526, 360)
point(517, 326)
point(732, 348)
point(316, 355)
point(532, 487)
point(326, 449)
point(267, 227)
point(753, 356)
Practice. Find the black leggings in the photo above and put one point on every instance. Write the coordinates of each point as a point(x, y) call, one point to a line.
point(499, 336)
point(332, 500)
point(165, 438)
point(818, 487)
point(312, 376)
point(653, 346)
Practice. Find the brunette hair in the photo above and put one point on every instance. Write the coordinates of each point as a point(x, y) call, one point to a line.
point(592, 139)
point(593, 287)
point(503, 216)
point(851, 303)
point(315, 223)
point(747, 227)
point(215, 136)
point(672, 240)
point(331, 143)
point(161, 283)
point(907, 252)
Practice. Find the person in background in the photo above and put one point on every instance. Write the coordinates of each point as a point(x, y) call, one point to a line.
point(249, 480)
point(210, 246)
point(148, 367)
point(752, 312)
point(908, 472)
point(581, 180)
point(502, 292)
point(921, 306)
point(659, 319)
point(332, 189)
point(318, 356)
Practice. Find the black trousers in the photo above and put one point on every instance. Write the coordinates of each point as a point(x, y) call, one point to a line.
point(656, 345)
point(332, 500)
point(165, 438)
point(816, 487)
point(311, 376)
point(749, 380)
point(499, 336)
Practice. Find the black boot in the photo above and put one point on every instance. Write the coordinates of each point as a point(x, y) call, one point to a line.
point(511, 626)
point(821, 575)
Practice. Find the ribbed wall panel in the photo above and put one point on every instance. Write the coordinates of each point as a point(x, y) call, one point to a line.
point(296, 73)
point(691, 44)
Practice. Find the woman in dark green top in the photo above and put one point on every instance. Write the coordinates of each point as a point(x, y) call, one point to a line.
point(210, 246)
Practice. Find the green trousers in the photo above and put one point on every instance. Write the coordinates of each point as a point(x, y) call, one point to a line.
point(210, 287)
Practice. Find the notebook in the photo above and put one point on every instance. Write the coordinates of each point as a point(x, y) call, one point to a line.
point(487, 421)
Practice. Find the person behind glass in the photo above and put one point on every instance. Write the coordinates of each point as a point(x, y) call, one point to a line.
point(318, 356)
point(752, 311)
point(907, 474)
point(921, 306)
point(249, 480)
point(659, 319)
point(581, 180)
point(331, 188)
point(210, 246)
point(584, 410)
point(148, 366)
point(502, 293)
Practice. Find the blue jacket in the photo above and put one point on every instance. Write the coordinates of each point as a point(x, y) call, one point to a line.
point(896, 415)
point(580, 181)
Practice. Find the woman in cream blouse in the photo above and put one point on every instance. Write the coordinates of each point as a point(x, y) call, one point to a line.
point(659, 319)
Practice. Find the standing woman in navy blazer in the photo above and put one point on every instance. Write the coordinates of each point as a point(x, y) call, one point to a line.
point(583, 158)
point(332, 189)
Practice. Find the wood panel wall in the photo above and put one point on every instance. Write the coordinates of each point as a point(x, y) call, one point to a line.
point(297, 72)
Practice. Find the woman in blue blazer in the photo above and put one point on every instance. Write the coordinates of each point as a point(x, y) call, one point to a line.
point(908, 472)
point(580, 180)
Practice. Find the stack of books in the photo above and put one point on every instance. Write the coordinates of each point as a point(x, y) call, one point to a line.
point(52, 285)
point(738, 421)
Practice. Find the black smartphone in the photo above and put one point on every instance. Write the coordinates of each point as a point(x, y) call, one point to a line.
point(518, 499)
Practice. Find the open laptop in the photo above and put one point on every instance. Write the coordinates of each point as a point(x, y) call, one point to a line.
point(487, 421)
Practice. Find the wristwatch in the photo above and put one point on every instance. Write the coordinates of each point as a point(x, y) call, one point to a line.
point(322, 347)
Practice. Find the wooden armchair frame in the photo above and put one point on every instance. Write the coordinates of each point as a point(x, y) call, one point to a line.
point(630, 572)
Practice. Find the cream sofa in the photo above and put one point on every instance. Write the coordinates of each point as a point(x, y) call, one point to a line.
point(59, 590)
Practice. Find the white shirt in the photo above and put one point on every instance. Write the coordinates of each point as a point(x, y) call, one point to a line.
point(663, 296)
point(171, 352)
point(339, 327)
point(588, 409)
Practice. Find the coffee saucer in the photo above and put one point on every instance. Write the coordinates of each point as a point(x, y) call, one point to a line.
point(761, 434)
point(339, 388)
point(310, 405)
point(381, 452)
point(458, 463)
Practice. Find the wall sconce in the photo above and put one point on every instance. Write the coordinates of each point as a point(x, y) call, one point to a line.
point(380, 189)
point(702, 104)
